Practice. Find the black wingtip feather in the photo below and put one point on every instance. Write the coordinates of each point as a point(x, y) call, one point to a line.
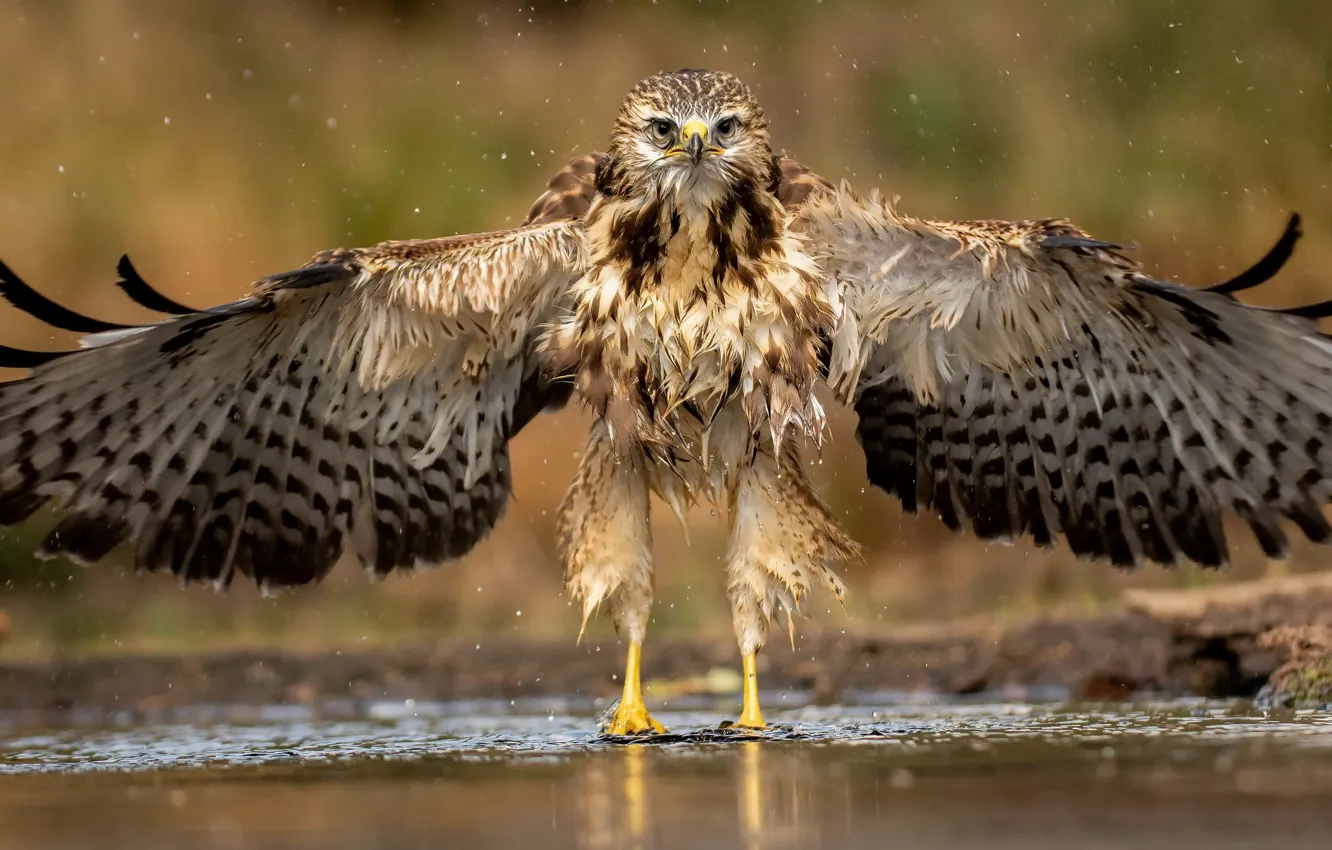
point(1321, 310)
point(133, 285)
point(32, 302)
point(87, 538)
point(19, 504)
point(1310, 520)
point(1266, 530)
point(20, 358)
point(887, 435)
point(1267, 267)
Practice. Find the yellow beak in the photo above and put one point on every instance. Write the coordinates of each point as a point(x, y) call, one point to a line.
point(694, 127)
point(694, 138)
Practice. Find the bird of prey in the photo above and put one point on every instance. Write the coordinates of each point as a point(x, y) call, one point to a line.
point(692, 289)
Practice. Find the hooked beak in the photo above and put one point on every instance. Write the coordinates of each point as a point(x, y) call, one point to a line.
point(694, 135)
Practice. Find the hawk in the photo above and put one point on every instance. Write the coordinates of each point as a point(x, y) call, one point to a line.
point(692, 289)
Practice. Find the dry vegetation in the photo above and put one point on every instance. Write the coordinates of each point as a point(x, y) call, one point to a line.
point(217, 142)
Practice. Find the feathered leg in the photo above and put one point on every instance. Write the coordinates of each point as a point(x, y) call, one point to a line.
point(606, 544)
point(783, 541)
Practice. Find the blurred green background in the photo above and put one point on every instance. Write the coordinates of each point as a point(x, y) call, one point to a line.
point(217, 142)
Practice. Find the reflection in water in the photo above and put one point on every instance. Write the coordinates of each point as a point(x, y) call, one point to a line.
point(611, 802)
point(751, 793)
point(770, 784)
point(773, 786)
point(776, 808)
point(635, 814)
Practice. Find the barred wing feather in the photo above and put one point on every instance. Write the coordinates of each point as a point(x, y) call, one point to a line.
point(360, 405)
point(1026, 379)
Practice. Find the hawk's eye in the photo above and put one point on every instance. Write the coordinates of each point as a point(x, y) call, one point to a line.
point(727, 127)
point(661, 130)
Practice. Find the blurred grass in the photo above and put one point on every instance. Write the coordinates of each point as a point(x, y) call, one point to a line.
point(218, 142)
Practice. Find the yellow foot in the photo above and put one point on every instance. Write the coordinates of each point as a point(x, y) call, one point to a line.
point(752, 726)
point(630, 719)
point(750, 716)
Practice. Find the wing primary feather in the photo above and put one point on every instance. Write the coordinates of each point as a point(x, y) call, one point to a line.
point(32, 302)
point(245, 483)
point(212, 552)
point(20, 358)
point(294, 537)
point(182, 438)
point(138, 290)
point(1267, 267)
point(1081, 526)
point(976, 446)
point(934, 483)
point(1031, 497)
point(88, 475)
point(1321, 310)
point(887, 432)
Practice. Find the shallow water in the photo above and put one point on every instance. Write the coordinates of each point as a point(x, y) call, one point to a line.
point(400, 775)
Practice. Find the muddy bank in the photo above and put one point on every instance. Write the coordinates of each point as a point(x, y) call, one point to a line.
point(1226, 642)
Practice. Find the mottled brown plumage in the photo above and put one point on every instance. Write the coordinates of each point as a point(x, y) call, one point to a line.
point(695, 336)
point(692, 289)
point(570, 192)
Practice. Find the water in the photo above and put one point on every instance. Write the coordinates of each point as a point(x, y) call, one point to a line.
point(1178, 774)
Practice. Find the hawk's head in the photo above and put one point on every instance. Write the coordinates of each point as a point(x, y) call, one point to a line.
point(689, 132)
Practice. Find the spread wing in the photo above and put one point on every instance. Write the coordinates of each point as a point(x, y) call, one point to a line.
point(1024, 378)
point(570, 192)
point(360, 405)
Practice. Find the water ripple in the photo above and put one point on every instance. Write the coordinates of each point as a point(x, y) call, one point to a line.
point(404, 732)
